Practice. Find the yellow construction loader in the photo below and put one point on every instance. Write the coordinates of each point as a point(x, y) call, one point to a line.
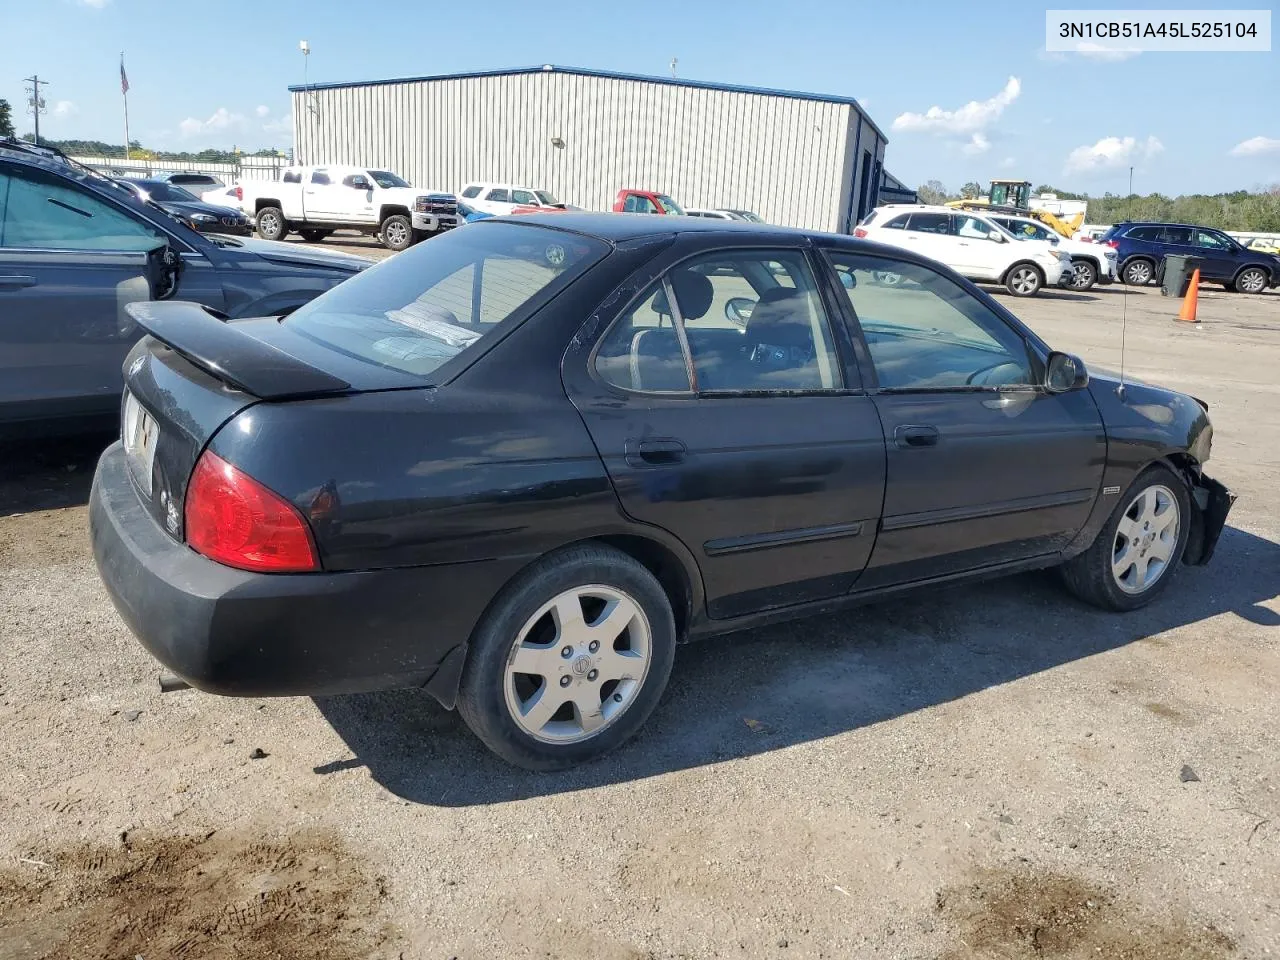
point(1014, 197)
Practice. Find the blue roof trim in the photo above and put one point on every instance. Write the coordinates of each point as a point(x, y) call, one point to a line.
point(608, 75)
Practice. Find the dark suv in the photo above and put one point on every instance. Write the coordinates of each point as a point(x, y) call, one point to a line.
point(1141, 247)
point(76, 248)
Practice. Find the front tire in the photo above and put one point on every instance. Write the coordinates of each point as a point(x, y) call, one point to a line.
point(1139, 273)
point(1135, 555)
point(271, 224)
point(1083, 275)
point(570, 660)
point(397, 232)
point(1024, 280)
point(1251, 280)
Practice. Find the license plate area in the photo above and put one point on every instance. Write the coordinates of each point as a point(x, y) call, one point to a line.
point(139, 432)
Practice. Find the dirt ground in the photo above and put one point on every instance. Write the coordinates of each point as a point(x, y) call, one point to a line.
point(992, 771)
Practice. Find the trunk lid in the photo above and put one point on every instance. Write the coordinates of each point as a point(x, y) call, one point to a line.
point(196, 371)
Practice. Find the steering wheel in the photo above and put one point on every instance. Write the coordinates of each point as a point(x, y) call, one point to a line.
point(983, 377)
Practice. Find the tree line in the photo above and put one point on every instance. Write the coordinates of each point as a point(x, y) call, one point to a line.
point(1240, 210)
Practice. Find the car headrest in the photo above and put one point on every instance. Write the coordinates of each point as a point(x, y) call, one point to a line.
point(781, 317)
point(694, 294)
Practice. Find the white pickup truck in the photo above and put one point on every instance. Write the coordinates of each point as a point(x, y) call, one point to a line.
point(317, 200)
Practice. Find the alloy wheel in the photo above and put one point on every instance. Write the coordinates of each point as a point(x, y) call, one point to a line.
point(577, 664)
point(1251, 281)
point(1145, 540)
point(1024, 280)
point(1138, 273)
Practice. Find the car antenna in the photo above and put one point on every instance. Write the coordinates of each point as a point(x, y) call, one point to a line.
point(1124, 303)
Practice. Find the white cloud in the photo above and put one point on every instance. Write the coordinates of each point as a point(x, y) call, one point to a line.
point(978, 144)
point(1112, 153)
point(1008, 163)
point(96, 4)
point(1256, 147)
point(262, 111)
point(1094, 51)
point(973, 116)
point(222, 120)
point(280, 125)
point(65, 108)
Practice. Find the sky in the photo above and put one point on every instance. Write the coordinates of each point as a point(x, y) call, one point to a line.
point(965, 91)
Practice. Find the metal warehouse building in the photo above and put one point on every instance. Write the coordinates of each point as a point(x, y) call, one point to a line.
point(798, 159)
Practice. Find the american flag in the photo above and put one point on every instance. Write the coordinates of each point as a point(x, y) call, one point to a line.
point(124, 77)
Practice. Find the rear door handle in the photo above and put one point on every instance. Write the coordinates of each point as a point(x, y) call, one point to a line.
point(15, 283)
point(654, 452)
point(913, 435)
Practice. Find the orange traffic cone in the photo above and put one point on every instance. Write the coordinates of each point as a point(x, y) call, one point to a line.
point(1188, 312)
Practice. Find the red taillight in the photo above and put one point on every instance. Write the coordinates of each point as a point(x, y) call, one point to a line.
point(233, 519)
point(239, 192)
point(859, 232)
point(1113, 244)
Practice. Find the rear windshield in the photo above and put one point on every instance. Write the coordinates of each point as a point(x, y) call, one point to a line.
point(417, 310)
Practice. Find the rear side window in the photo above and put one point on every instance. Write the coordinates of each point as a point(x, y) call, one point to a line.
point(499, 196)
point(416, 311)
point(898, 223)
point(930, 223)
point(1142, 233)
point(471, 192)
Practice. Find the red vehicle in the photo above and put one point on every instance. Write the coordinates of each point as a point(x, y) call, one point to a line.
point(645, 201)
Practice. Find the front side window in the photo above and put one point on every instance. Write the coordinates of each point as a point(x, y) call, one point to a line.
point(524, 196)
point(930, 223)
point(752, 323)
point(320, 178)
point(925, 332)
point(38, 211)
point(499, 196)
point(388, 180)
point(971, 228)
point(416, 311)
point(355, 180)
point(1212, 241)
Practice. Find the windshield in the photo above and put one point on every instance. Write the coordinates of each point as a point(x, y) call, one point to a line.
point(166, 192)
point(749, 216)
point(386, 180)
point(670, 205)
point(546, 199)
point(421, 308)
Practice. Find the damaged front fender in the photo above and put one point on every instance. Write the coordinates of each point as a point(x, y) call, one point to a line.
point(1210, 504)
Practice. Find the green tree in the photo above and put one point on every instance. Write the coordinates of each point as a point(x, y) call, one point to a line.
point(932, 192)
point(6, 119)
point(971, 190)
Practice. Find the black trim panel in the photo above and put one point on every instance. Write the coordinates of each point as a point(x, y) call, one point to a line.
point(953, 514)
point(782, 538)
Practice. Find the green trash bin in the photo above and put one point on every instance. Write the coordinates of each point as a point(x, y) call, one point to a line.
point(1175, 274)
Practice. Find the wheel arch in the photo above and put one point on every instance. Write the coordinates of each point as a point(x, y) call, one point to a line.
point(1004, 277)
point(391, 210)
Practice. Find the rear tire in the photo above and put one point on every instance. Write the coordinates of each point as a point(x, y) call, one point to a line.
point(532, 623)
point(271, 224)
point(314, 236)
point(397, 232)
point(1251, 280)
point(1118, 571)
point(1138, 272)
point(1024, 280)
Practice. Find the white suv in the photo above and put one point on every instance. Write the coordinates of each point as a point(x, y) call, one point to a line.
point(970, 244)
point(1090, 262)
point(502, 198)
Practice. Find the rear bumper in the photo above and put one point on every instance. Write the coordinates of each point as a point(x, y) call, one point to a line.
point(236, 633)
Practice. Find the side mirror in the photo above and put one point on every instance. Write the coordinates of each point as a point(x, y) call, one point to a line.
point(1065, 372)
point(997, 237)
point(738, 310)
point(848, 280)
point(360, 183)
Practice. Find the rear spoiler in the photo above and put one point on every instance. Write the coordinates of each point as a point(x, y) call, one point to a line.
point(231, 354)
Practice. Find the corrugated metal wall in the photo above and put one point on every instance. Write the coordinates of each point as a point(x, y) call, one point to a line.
point(789, 159)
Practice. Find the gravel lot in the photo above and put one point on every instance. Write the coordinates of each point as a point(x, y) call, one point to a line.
point(990, 771)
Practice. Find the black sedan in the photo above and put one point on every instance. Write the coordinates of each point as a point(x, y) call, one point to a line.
point(518, 464)
point(205, 217)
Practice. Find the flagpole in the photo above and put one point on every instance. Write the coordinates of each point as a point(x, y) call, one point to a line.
point(124, 91)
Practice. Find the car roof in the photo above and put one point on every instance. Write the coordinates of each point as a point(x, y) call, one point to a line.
point(617, 227)
point(491, 185)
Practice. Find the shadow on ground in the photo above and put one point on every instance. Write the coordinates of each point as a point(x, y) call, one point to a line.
point(808, 680)
point(47, 474)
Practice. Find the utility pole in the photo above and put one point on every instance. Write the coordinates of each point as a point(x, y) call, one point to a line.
point(35, 102)
point(674, 61)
